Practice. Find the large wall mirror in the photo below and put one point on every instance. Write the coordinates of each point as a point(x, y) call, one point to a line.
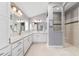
point(18, 23)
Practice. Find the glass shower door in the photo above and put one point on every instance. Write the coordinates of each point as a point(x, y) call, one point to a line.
point(55, 28)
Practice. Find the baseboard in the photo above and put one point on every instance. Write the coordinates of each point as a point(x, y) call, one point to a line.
point(39, 42)
point(55, 46)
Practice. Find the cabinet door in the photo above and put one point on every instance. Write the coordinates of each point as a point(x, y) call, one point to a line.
point(44, 37)
point(40, 37)
point(17, 48)
point(6, 51)
point(30, 39)
point(17, 51)
point(26, 44)
point(36, 37)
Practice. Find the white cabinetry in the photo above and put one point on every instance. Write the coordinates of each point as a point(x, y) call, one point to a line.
point(30, 39)
point(17, 48)
point(40, 37)
point(6, 51)
point(20, 47)
point(26, 44)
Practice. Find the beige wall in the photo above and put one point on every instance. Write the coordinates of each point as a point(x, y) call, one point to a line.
point(69, 33)
point(72, 29)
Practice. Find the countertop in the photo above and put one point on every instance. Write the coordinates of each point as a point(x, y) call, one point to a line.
point(15, 37)
point(39, 31)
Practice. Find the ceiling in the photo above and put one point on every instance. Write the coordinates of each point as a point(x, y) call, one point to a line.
point(56, 6)
point(32, 9)
point(69, 5)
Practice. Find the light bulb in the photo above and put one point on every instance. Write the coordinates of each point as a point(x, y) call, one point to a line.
point(14, 9)
point(19, 12)
point(57, 8)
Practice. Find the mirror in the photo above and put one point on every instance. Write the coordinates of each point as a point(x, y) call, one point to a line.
point(18, 24)
point(40, 26)
point(18, 21)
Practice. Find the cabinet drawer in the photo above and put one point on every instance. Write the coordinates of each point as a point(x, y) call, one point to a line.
point(30, 39)
point(15, 45)
point(17, 51)
point(40, 37)
point(17, 48)
point(26, 44)
point(6, 51)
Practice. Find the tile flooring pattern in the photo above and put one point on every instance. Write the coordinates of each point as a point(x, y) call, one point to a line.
point(43, 50)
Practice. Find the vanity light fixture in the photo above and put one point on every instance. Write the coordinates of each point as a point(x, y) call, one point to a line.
point(19, 12)
point(14, 9)
point(20, 20)
point(57, 8)
point(37, 21)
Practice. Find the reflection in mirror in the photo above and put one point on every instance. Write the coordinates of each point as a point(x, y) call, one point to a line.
point(17, 24)
point(40, 26)
point(22, 26)
point(18, 21)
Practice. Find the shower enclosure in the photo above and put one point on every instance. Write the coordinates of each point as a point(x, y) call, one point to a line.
point(55, 25)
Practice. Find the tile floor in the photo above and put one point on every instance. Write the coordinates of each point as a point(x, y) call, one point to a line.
point(43, 50)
